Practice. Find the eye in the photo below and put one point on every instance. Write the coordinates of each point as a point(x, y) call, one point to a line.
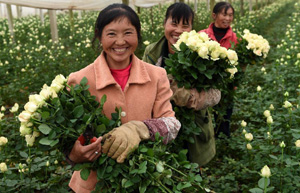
point(128, 33)
point(111, 34)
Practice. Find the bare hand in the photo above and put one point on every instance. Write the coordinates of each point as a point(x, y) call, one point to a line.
point(88, 153)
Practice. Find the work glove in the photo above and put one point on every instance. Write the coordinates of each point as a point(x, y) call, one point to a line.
point(124, 139)
point(191, 98)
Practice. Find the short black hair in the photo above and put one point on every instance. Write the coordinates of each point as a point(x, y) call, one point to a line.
point(113, 12)
point(180, 11)
point(218, 8)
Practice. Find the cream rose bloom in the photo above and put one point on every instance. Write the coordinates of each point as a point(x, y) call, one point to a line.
point(29, 140)
point(258, 88)
point(232, 71)
point(271, 107)
point(297, 143)
point(203, 51)
point(15, 108)
point(146, 43)
point(270, 120)
point(30, 107)
point(282, 144)
point(265, 172)
point(249, 146)
point(24, 116)
point(287, 104)
point(37, 99)
point(3, 141)
point(24, 130)
point(267, 113)
point(3, 167)
point(243, 123)
point(232, 56)
point(249, 136)
point(1, 115)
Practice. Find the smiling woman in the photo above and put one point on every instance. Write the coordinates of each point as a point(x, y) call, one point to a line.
point(140, 89)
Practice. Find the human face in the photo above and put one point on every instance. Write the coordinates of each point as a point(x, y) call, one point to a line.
point(119, 40)
point(222, 19)
point(173, 30)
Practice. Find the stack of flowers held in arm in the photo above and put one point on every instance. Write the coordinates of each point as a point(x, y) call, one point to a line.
point(201, 63)
point(251, 48)
point(60, 113)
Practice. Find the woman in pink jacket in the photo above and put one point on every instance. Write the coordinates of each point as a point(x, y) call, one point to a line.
point(142, 91)
point(220, 31)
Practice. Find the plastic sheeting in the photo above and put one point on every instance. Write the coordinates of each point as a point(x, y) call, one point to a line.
point(77, 4)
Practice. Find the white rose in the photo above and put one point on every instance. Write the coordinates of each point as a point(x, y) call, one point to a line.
point(249, 146)
point(37, 99)
point(30, 107)
point(286, 94)
point(232, 56)
point(249, 136)
point(29, 140)
point(3, 108)
point(265, 172)
point(263, 69)
point(267, 113)
point(297, 143)
point(203, 51)
point(232, 71)
point(243, 123)
point(45, 92)
point(215, 55)
point(271, 107)
point(15, 108)
point(24, 130)
point(3, 141)
point(56, 86)
point(47, 164)
point(282, 144)
point(298, 55)
point(3, 167)
point(24, 116)
point(258, 88)
point(287, 104)
point(146, 42)
point(270, 120)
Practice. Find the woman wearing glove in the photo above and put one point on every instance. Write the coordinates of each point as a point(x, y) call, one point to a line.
point(140, 89)
point(221, 32)
point(179, 18)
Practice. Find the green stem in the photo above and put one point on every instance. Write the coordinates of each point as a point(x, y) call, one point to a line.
point(265, 185)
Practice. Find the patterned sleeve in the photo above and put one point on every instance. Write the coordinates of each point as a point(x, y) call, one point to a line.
point(167, 127)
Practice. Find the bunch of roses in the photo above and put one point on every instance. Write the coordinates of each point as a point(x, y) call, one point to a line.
point(256, 43)
point(206, 48)
point(196, 55)
point(35, 102)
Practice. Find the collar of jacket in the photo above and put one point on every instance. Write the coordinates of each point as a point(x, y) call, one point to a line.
point(104, 78)
point(211, 34)
point(155, 50)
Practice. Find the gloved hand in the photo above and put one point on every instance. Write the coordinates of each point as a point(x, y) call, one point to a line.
point(122, 140)
point(191, 98)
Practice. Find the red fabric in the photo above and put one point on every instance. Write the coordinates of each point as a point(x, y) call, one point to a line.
point(121, 76)
point(229, 37)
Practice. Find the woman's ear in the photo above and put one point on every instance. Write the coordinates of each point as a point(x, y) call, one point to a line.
point(214, 16)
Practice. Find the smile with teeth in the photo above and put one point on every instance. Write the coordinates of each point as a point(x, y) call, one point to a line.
point(175, 37)
point(119, 50)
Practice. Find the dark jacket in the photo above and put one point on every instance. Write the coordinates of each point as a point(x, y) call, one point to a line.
point(204, 148)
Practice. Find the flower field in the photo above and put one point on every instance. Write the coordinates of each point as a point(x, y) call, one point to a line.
point(263, 152)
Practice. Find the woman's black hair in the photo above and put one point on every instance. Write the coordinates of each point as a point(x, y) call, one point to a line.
point(180, 11)
point(218, 8)
point(113, 12)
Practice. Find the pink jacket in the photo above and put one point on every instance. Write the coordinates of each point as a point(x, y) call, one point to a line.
point(229, 37)
point(146, 96)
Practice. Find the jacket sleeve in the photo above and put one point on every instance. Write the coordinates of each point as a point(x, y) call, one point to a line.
point(163, 120)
